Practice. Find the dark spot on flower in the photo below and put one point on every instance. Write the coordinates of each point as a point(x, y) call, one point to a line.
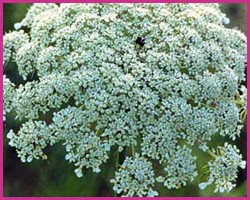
point(213, 105)
point(140, 41)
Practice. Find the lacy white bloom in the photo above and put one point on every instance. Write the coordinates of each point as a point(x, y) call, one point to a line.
point(180, 167)
point(31, 140)
point(135, 178)
point(224, 168)
point(158, 77)
point(8, 94)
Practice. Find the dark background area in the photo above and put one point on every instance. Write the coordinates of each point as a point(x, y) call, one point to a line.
point(55, 176)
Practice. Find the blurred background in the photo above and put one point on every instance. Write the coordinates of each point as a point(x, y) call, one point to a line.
point(56, 177)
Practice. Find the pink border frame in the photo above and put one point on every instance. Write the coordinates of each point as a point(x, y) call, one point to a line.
point(118, 1)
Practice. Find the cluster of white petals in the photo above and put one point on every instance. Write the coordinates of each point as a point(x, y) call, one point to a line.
point(161, 77)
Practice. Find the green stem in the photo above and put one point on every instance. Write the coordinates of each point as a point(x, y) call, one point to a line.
point(117, 159)
point(133, 150)
point(81, 107)
point(211, 154)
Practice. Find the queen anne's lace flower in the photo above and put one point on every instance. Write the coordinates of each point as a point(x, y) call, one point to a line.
point(8, 94)
point(31, 140)
point(180, 167)
point(12, 42)
point(223, 169)
point(155, 78)
point(83, 146)
point(135, 178)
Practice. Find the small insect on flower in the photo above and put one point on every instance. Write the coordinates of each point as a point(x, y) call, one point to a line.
point(140, 41)
point(213, 105)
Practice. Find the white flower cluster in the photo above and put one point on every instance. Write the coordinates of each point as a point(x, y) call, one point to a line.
point(12, 43)
point(83, 146)
point(135, 178)
point(223, 169)
point(161, 77)
point(180, 168)
point(31, 140)
point(8, 94)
